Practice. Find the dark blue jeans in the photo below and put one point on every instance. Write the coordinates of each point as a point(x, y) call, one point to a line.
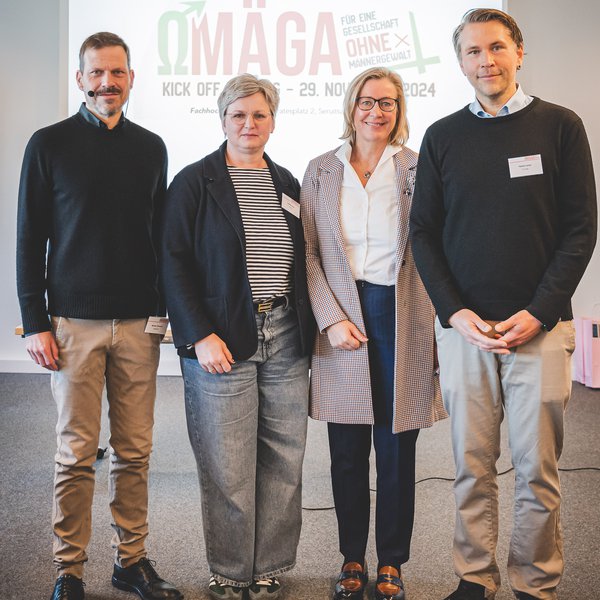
point(350, 447)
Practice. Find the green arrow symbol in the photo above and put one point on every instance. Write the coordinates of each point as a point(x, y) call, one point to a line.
point(194, 6)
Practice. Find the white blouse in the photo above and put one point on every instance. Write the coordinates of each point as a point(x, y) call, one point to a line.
point(369, 218)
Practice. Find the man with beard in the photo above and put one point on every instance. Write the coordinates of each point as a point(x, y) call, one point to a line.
point(89, 200)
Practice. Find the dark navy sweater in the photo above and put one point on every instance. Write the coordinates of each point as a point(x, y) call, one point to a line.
point(495, 244)
point(86, 226)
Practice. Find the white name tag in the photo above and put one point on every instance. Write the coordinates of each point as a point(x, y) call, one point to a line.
point(290, 205)
point(522, 166)
point(157, 325)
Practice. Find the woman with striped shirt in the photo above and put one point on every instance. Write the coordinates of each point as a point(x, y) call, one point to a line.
point(233, 266)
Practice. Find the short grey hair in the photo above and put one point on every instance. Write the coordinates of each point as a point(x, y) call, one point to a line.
point(247, 85)
point(483, 15)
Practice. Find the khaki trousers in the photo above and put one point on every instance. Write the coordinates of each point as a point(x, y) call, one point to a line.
point(92, 352)
point(531, 386)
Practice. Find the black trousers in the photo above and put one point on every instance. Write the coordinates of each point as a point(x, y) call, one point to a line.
point(350, 447)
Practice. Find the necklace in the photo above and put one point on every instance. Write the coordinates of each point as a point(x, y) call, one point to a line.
point(363, 168)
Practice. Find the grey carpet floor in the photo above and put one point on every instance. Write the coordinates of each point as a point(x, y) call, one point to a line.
point(27, 416)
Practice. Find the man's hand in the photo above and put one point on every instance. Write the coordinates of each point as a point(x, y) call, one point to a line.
point(518, 329)
point(470, 326)
point(344, 335)
point(213, 354)
point(43, 349)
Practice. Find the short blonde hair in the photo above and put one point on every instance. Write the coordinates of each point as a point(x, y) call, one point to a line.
point(399, 134)
point(484, 15)
point(246, 85)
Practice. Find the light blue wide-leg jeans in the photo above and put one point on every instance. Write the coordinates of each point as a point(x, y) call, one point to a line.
point(248, 432)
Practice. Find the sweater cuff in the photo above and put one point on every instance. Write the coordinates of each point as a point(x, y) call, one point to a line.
point(548, 321)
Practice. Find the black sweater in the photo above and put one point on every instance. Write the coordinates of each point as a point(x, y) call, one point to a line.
point(86, 225)
point(495, 244)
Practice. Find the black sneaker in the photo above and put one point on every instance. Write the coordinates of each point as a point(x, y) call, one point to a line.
point(68, 587)
point(467, 590)
point(142, 579)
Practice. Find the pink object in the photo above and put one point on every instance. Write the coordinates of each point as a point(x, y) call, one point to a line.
point(587, 352)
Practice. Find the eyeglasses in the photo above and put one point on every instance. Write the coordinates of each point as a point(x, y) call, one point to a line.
point(385, 104)
point(240, 118)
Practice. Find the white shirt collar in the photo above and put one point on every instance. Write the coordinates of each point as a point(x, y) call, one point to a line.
point(345, 151)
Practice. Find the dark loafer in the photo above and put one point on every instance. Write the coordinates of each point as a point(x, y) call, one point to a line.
point(68, 587)
point(467, 590)
point(389, 585)
point(351, 582)
point(142, 579)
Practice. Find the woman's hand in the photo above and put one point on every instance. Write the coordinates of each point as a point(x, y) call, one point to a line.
point(345, 335)
point(213, 354)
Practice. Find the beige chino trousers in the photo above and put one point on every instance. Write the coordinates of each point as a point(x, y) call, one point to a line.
point(92, 353)
point(531, 387)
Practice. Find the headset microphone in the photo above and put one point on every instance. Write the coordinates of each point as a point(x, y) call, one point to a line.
point(91, 94)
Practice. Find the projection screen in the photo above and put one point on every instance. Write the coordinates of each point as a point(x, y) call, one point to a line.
point(184, 52)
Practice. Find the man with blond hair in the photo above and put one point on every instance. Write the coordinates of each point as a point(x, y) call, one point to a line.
point(503, 226)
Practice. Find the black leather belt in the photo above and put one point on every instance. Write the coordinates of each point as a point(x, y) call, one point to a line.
point(267, 305)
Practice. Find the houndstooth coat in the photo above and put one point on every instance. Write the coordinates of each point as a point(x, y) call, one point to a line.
point(340, 380)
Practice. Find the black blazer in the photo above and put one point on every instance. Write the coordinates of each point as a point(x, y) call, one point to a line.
point(203, 259)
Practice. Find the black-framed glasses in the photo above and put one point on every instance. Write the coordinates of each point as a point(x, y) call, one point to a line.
point(385, 104)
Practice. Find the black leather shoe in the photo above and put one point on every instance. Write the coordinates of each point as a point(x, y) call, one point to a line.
point(68, 587)
point(142, 579)
point(467, 590)
point(351, 582)
point(524, 596)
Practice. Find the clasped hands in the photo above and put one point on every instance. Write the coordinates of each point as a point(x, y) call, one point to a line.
point(515, 331)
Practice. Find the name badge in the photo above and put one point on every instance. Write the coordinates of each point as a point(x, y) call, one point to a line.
point(157, 325)
point(523, 166)
point(290, 205)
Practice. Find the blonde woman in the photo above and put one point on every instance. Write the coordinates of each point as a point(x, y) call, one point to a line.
point(373, 373)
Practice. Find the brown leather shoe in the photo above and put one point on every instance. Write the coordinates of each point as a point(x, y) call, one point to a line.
point(389, 584)
point(351, 582)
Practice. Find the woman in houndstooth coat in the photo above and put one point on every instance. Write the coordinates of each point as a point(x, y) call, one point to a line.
point(373, 364)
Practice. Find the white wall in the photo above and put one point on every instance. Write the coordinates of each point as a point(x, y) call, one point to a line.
point(33, 91)
point(562, 48)
point(561, 42)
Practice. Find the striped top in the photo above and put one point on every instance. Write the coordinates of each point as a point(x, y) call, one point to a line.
point(269, 249)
